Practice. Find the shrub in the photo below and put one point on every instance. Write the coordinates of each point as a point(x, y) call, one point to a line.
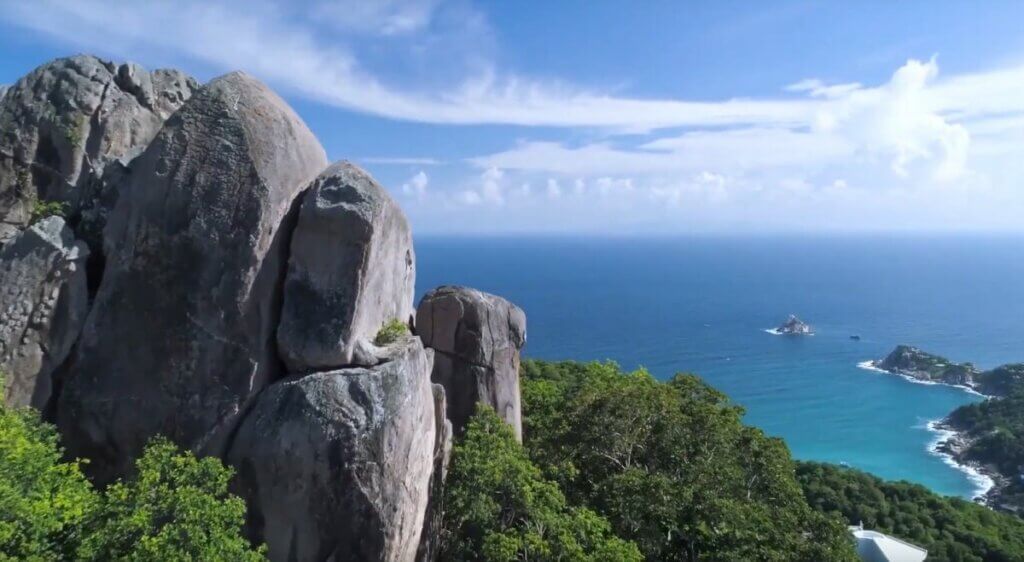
point(672, 466)
point(391, 332)
point(41, 209)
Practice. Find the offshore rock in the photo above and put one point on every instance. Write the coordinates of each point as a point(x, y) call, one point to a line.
point(181, 334)
point(794, 326)
point(43, 304)
point(477, 338)
point(351, 270)
point(337, 465)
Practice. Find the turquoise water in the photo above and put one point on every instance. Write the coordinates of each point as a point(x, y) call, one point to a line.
point(702, 305)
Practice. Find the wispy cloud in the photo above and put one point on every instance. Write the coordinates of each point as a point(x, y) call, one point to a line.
point(400, 160)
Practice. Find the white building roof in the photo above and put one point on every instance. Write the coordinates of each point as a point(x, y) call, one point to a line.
point(873, 546)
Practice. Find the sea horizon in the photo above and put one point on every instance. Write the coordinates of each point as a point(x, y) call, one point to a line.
point(703, 304)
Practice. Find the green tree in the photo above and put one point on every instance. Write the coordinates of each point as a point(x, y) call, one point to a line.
point(176, 509)
point(498, 507)
point(44, 503)
point(671, 465)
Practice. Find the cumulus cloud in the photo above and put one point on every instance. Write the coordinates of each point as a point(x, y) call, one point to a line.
point(417, 185)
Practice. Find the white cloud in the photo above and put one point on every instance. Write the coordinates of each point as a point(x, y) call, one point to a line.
point(417, 185)
point(383, 17)
point(489, 190)
point(287, 47)
point(271, 41)
point(400, 161)
point(554, 189)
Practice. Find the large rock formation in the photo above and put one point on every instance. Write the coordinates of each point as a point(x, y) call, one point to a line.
point(336, 465)
point(63, 123)
point(182, 332)
point(351, 270)
point(476, 338)
point(43, 303)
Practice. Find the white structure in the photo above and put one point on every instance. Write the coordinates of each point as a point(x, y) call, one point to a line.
point(873, 546)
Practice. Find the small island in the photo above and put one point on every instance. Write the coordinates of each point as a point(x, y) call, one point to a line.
point(794, 327)
point(911, 362)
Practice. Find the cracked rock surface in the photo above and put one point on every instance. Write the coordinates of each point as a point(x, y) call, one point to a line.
point(477, 338)
point(336, 465)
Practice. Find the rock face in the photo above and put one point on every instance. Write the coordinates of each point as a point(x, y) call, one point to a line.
point(914, 363)
point(181, 335)
point(477, 338)
point(43, 303)
point(794, 326)
point(62, 124)
point(430, 538)
point(351, 270)
point(336, 465)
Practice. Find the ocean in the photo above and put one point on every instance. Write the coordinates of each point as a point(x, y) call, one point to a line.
point(703, 305)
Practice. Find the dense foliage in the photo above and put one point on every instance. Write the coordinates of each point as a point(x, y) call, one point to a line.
point(672, 466)
point(950, 528)
point(995, 430)
point(498, 506)
point(177, 508)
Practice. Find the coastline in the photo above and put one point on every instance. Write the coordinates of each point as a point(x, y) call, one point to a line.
point(949, 443)
point(872, 365)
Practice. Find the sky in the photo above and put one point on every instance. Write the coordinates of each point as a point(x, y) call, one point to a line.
point(615, 117)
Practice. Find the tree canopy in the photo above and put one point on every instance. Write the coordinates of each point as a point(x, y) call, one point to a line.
point(177, 508)
point(671, 465)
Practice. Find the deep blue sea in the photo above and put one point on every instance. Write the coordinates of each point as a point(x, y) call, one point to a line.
point(702, 304)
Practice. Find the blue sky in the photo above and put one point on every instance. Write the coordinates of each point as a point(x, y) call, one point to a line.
point(616, 117)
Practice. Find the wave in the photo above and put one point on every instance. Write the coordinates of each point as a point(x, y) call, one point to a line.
point(982, 482)
point(869, 365)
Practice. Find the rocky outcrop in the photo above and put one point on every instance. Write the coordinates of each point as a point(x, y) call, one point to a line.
point(477, 338)
point(336, 465)
point(62, 124)
point(912, 362)
point(43, 303)
point(794, 326)
point(351, 270)
point(181, 335)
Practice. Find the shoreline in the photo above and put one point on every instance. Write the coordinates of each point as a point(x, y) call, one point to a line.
point(872, 365)
point(948, 442)
point(947, 445)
